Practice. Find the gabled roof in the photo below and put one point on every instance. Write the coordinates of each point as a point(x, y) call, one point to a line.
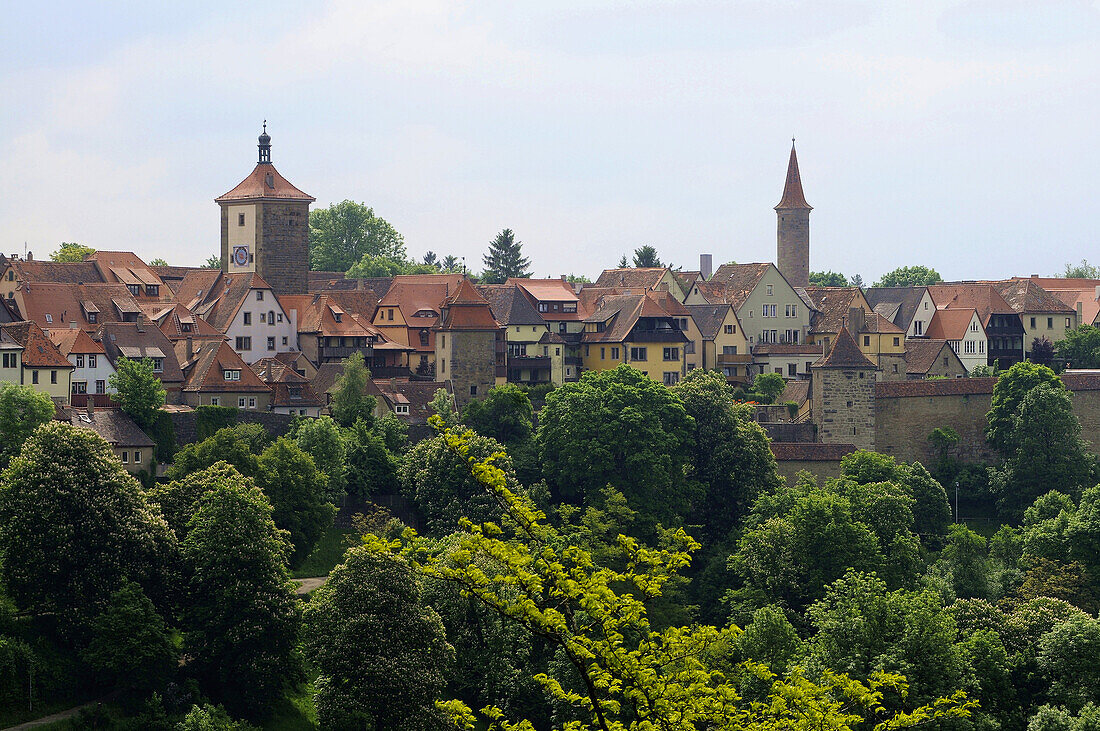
point(1024, 295)
point(417, 395)
point(126, 267)
point(545, 290)
point(923, 353)
point(136, 341)
point(58, 304)
point(38, 350)
point(735, 282)
point(792, 188)
point(318, 312)
point(113, 426)
point(412, 293)
point(844, 354)
point(216, 296)
point(73, 340)
point(832, 305)
point(619, 313)
point(950, 324)
point(980, 296)
point(709, 318)
point(466, 309)
point(796, 391)
point(264, 183)
point(69, 272)
point(172, 317)
point(206, 371)
point(644, 277)
point(509, 306)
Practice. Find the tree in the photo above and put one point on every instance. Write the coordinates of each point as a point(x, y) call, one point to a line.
point(22, 410)
point(828, 279)
point(1042, 351)
point(617, 427)
point(966, 558)
point(214, 261)
point(628, 674)
point(158, 262)
point(73, 525)
point(393, 431)
point(378, 265)
point(71, 251)
point(1067, 656)
point(372, 468)
point(443, 406)
point(345, 232)
point(856, 280)
point(505, 259)
point(177, 499)
point(623, 262)
point(943, 439)
point(769, 385)
point(430, 259)
point(914, 276)
point(296, 490)
point(379, 649)
point(238, 445)
point(504, 414)
point(211, 718)
point(139, 392)
point(1081, 347)
point(241, 619)
point(451, 263)
point(324, 441)
point(646, 256)
point(577, 278)
point(1008, 392)
point(130, 644)
point(1084, 270)
point(350, 400)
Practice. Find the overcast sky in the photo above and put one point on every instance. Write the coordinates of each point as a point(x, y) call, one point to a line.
point(961, 136)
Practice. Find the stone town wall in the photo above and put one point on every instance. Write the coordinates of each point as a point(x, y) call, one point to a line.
point(184, 423)
point(473, 363)
point(847, 406)
point(282, 256)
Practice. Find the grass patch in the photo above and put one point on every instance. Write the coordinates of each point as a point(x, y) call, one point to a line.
point(294, 712)
point(328, 552)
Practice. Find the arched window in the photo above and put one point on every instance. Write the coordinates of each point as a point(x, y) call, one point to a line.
point(423, 338)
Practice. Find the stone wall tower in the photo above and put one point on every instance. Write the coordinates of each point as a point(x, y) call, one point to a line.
point(792, 256)
point(469, 344)
point(265, 227)
point(843, 394)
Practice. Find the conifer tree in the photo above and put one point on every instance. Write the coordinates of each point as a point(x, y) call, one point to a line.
point(505, 259)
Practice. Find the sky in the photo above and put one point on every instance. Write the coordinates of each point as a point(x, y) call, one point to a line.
point(956, 135)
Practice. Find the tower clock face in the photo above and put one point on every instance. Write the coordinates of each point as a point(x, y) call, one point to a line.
point(240, 255)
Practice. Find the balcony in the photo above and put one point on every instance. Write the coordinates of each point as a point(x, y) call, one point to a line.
point(528, 361)
point(657, 336)
point(339, 352)
point(100, 400)
point(734, 358)
point(390, 372)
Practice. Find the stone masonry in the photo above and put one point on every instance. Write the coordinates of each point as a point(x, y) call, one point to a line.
point(282, 248)
point(844, 406)
point(472, 363)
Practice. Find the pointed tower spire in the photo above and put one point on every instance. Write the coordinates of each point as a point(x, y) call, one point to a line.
point(793, 197)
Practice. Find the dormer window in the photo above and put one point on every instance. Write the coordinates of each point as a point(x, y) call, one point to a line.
point(152, 290)
point(49, 318)
point(294, 391)
point(543, 307)
point(232, 375)
point(338, 316)
point(158, 365)
point(135, 289)
point(184, 327)
point(569, 307)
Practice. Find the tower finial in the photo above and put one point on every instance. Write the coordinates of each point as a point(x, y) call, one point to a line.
point(265, 129)
point(265, 145)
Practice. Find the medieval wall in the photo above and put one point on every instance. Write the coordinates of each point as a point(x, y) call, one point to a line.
point(282, 253)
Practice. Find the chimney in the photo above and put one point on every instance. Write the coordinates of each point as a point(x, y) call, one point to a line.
point(73, 324)
point(91, 407)
point(1034, 276)
point(141, 322)
point(1098, 291)
point(706, 265)
point(855, 320)
point(30, 256)
point(563, 278)
point(189, 348)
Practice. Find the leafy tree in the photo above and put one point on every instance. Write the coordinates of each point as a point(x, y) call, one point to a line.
point(177, 499)
point(646, 256)
point(1042, 351)
point(930, 509)
point(379, 649)
point(130, 644)
point(828, 279)
point(1056, 718)
point(629, 675)
point(73, 524)
point(439, 482)
point(238, 445)
point(505, 259)
point(393, 431)
point(443, 406)
point(22, 410)
point(242, 618)
point(350, 400)
point(214, 261)
point(211, 718)
point(914, 276)
point(158, 262)
point(430, 259)
point(377, 265)
point(617, 427)
point(372, 468)
point(139, 392)
point(345, 232)
point(943, 439)
point(577, 278)
point(504, 414)
point(70, 251)
point(966, 559)
point(1067, 656)
point(1081, 347)
point(296, 490)
point(769, 386)
point(1008, 393)
point(1084, 270)
point(324, 441)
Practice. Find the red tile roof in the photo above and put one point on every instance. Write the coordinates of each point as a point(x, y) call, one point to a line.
point(950, 324)
point(845, 354)
point(206, 371)
point(793, 196)
point(466, 309)
point(979, 296)
point(38, 350)
point(934, 387)
point(264, 183)
point(922, 353)
point(73, 340)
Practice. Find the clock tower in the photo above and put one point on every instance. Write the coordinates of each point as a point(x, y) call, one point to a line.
point(265, 227)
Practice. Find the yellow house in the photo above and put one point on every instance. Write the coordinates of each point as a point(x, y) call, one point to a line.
point(410, 310)
point(881, 341)
point(11, 357)
point(42, 365)
point(723, 345)
point(634, 329)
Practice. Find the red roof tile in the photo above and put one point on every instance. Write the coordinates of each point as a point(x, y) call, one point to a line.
point(793, 196)
point(38, 350)
point(845, 354)
point(264, 183)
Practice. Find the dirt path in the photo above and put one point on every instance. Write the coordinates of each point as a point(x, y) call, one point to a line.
point(305, 586)
point(60, 715)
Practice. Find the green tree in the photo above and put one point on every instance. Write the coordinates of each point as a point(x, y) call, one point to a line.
point(623, 262)
point(241, 618)
point(380, 650)
point(646, 256)
point(828, 279)
point(617, 427)
point(377, 265)
point(139, 392)
point(372, 468)
point(324, 441)
point(73, 525)
point(1008, 393)
point(1081, 347)
point(943, 439)
point(1084, 270)
point(394, 433)
point(238, 445)
point(430, 259)
point(451, 263)
point(158, 262)
point(505, 414)
point(211, 718)
point(769, 386)
point(345, 232)
point(296, 490)
point(443, 406)
point(914, 276)
point(505, 259)
point(966, 558)
point(130, 644)
point(577, 279)
point(350, 400)
point(1067, 656)
point(70, 252)
point(214, 261)
point(1042, 351)
point(22, 410)
point(177, 499)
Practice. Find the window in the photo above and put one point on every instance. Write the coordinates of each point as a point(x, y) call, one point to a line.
point(443, 366)
point(790, 310)
point(125, 457)
point(768, 310)
point(135, 289)
point(1033, 323)
point(672, 378)
point(259, 295)
point(391, 314)
point(263, 317)
point(569, 307)
point(49, 318)
point(750, 314)
point(1050, 323)
point(473, 390)
point(244, 343)
point(79, 361)
point(158, 365)
point(279, 317)
point(34, 376)
point(240, 402)
point(587, 351)
point(729, 350)
point(10, 360)
point(92, 316)
point(603, 353)
point(270, 317)
point(1069, 323)
point(92, 359)
point(557, 351)
point(895, 368)
point(689, 348)
point(80, 387)
point(248, 318)
point(442, 340)
point(969, 347)
point(240, 219)
point(771, 290)
point(671, 354)
point(401, 409)
point(866, 341)
point(284, 339)
point(152, 290)
point(792, 369)
point(423, 338)
point(232, 375)
point(614, 353)
point(271, 343)
point(638, 354)
point(101, 387)
point(918, 327)
point(543, 307)
point(945, 361)
point(728, 329)
point(973, 327)
point(185, 327)
point(897, 342)
point(137, 456)
point(251, 403)
point(215, 401)
point(53, 376)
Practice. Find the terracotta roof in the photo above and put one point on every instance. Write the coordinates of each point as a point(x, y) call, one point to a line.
point(546, 290)
point(127, 268)
point(797, 391)
point(620, 313)
point(1081, 381)
point(509, 306)
point(1025, 295)
point(668, 303)
point(934, 387)
point(417, 394)
point(53, 271)
point(125, 339)
point(466, 309)
point(215, 296)
point(317, 313)
point(73, 340)
point(810, 451)
point(413, 293)
point(832, 304)
point(923, 353)
point(264, 183)
point(283, 381)
point(173, 317)
point(792, 188)
point(950, 324)
point(709, 318)
point(378, 285)
point(113, 426)
point(325, 377)
point(966, 295)
point(644, 277)
point(38, 350)
point(206, 371)
point(844, 354)
point(735, 282)
point(57, 304)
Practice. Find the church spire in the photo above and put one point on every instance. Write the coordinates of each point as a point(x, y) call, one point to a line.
point(793, 197)
point(265, 145)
